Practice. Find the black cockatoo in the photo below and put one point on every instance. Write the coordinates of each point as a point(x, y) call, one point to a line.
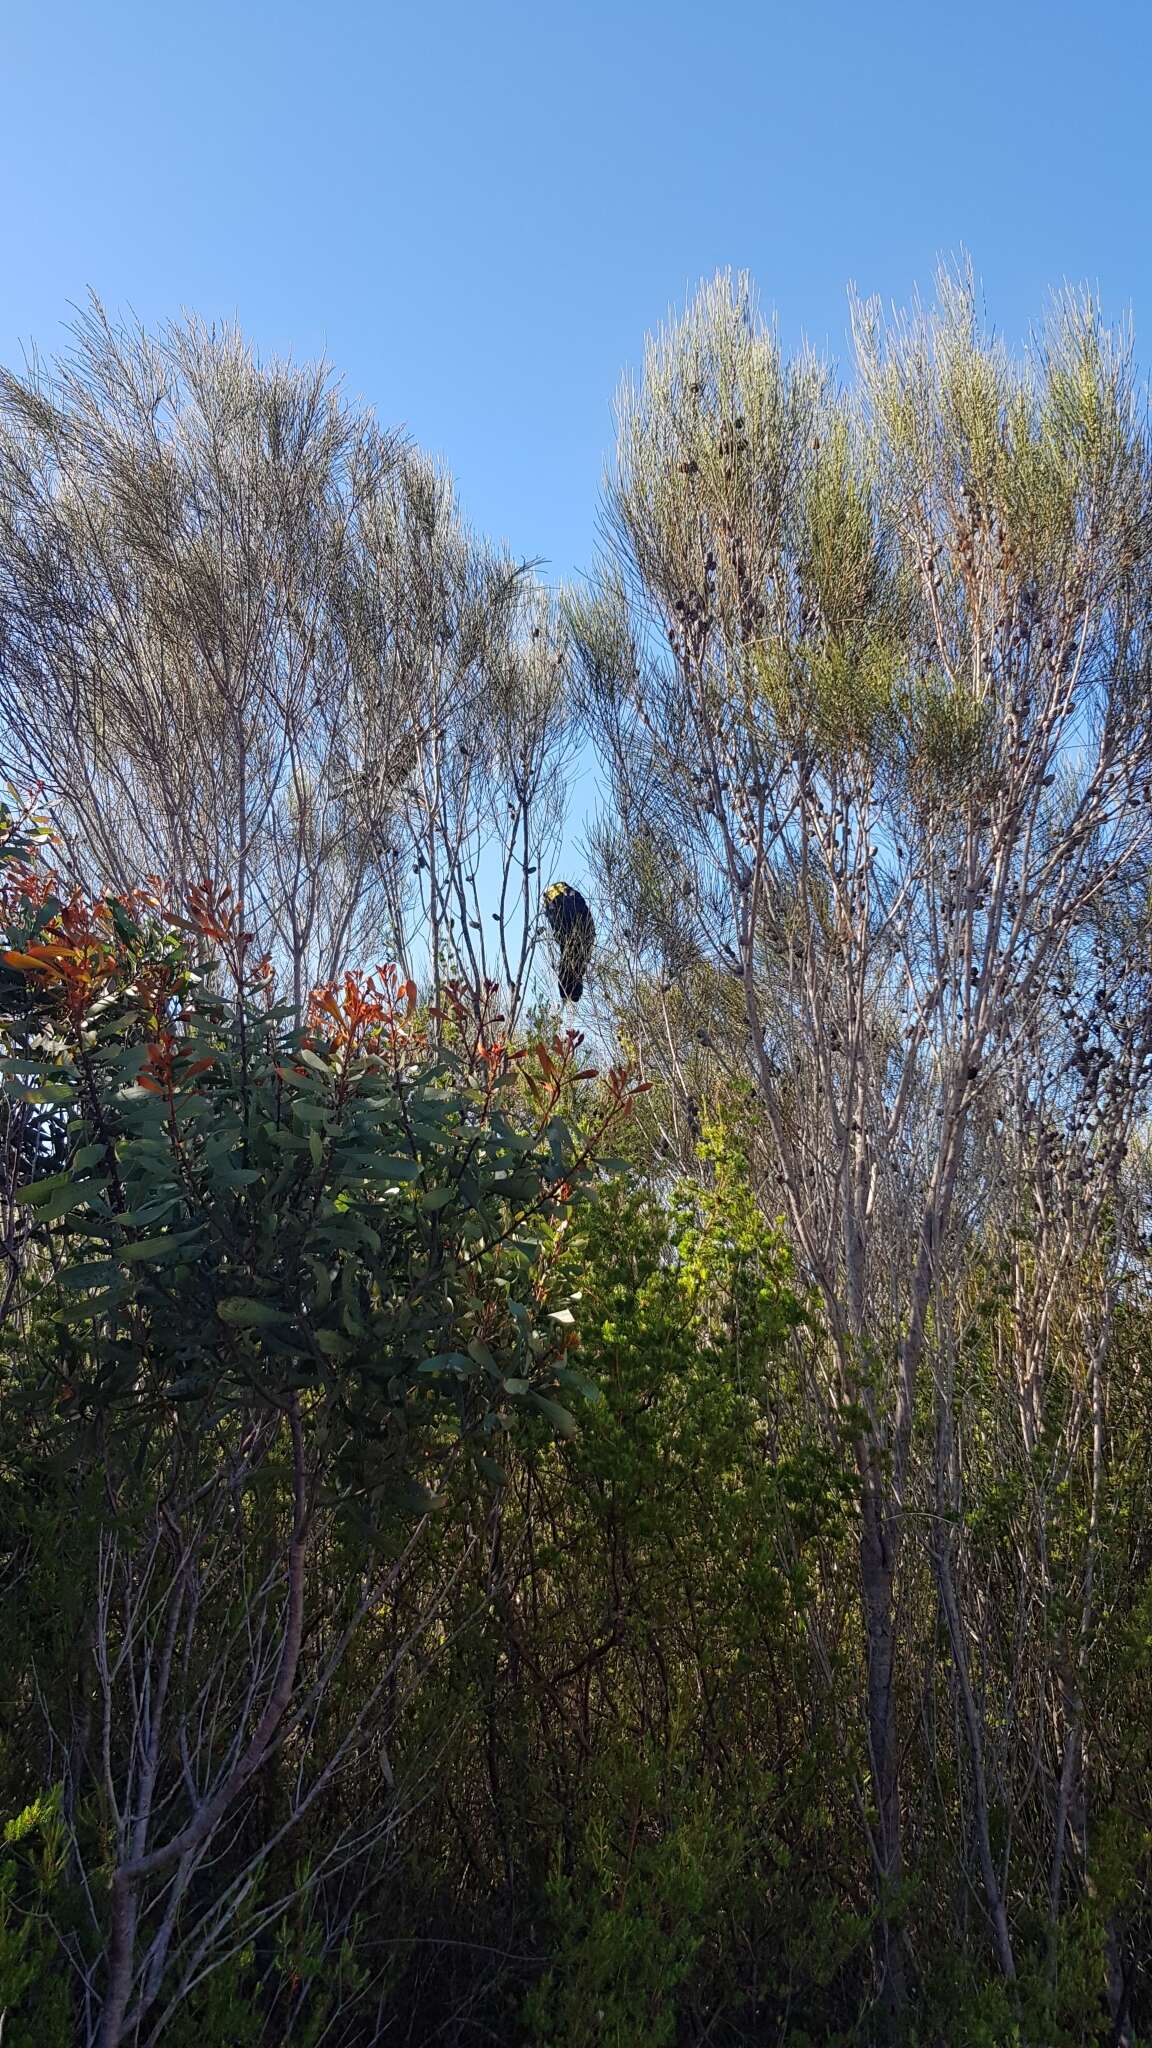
point(571, 924)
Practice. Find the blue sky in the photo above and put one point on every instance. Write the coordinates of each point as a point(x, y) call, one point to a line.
point(476, 211)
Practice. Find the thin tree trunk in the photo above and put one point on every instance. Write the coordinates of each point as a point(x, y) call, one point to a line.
point(877, 1580)
point(997, 1911)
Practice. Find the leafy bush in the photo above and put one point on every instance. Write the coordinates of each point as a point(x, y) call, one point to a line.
point(282, 1292)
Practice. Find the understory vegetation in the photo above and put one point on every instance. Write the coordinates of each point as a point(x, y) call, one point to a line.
point(633, 1533)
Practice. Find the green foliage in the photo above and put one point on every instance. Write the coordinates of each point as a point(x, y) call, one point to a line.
point(627, 1930)
point(466, 1575)
point(242, 1210)
point(282, 1289)
point(31, 1869)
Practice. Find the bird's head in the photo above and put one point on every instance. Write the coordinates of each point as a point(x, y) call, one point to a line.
point(555, 891)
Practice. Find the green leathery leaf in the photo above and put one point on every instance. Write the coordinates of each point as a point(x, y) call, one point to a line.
point(331, 1343)
point(449, 1361)
point(310, 1112)
point(90, 1273)
point(308, 1058)
point(561, 1419)
point(89, 1155)
point(166, 1247)
point(323, 1279)
point(399, 1169)
point(246, 1310)
point(149, 1212)
point(63, 1199)
point(37, 1191)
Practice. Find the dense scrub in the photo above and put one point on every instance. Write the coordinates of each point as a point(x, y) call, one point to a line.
point(509, 1541)
point(568, 1750)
